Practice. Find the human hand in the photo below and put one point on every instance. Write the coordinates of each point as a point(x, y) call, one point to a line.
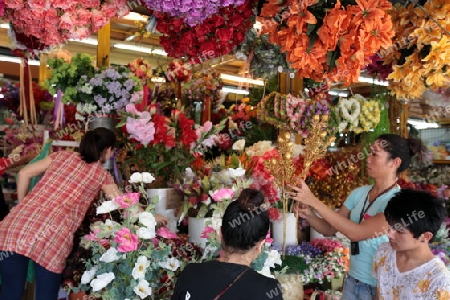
point(161, 220)
point(302, 194)
point(302, 211)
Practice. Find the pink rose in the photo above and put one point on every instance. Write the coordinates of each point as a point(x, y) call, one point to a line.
point(14, 4)
point(67, 21)
point(39, 4)
point(131, 109)
point(222, 194)
point(83, 17)
point(127, 241)
point(98, 19)
point(127, 200)
point(89, 3)
point(142, 130)
point(63, 4)
point(207, 231)
point(164, 232)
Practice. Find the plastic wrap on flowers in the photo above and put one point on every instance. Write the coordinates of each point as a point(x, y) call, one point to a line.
point(192, 11)
point(263, 57)
point(54, 22)
point(218, 35)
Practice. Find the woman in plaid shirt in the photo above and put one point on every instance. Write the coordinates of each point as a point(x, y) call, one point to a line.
point(42, 225)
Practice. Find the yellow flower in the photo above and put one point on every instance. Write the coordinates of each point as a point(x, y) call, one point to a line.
point(442, 295)
point(424, 285)
point(427, 32)
point(437, 79)
point(438, 9)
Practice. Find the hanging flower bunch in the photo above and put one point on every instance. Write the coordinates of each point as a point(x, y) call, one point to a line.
point(217, 35)
point(178, 71)
point(377, 68)
point(109, 90)
point(10, 100)
point(358, 114)
point(328, 40)
point(263, 58)
point(54, 22)
point(421, 54)
point(141, 68)
point(204, 82)
point(293, 113)
point(193, 12)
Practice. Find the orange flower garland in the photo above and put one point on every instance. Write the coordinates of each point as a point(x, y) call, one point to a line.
point(335, 48)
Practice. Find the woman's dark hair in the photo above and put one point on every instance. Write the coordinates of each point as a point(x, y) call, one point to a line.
point(245, 221)
point(95, 142)
point(402, 148)
point(416, 211)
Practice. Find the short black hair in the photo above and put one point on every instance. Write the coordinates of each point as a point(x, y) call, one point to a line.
point(245, 221)
point(417, 211)
point(94, 142)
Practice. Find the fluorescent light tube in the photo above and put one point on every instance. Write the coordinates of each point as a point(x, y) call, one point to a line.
point(133, 48)
point(422, 124)
point(338, 93)
point(135, 17)
point(372, 80)
point(241, 79)
point(18, 60)
point(88, 41)
point(4, 26)
point(159, 52)
point(235, 91)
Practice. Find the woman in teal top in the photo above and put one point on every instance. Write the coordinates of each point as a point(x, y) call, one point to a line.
point(361, 217)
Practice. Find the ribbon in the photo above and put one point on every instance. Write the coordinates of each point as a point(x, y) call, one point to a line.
point(115, 168)
point(26, 93)
point(57, 110)
point(143, 105)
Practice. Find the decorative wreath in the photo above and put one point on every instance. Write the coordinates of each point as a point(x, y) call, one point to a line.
point(358, 114)
point(218, 35)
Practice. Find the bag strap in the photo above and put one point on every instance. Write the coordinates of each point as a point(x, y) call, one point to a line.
point(231, 284)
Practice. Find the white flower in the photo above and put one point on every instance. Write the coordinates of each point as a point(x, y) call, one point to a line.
point(272, 259)
point(146, 233)
point(107, 207)
point(147, 219)
point(108, 227)
point(143, 289)
point(140, 267)
point(147, 177)
point(171, 264)
point(188, 172)
point(207, 201)
point(88, 275)
point(110, 255)
point(239, 172)
point(239, 145)
point(102, 281)
point(87, 88)
point(266, 272)
point(136, 177)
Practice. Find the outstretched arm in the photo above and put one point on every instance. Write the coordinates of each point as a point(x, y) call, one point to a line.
point(370, 228)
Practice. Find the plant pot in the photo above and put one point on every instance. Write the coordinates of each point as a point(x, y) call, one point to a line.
point(195, 230)
point(291, 230)
point(168, 200)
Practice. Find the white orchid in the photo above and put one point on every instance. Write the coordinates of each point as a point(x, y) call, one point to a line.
point(143, 289)
point(140, 267)
point(107, 207)
point(102, 281)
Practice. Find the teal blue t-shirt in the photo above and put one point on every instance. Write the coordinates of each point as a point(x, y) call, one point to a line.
point(361, 264)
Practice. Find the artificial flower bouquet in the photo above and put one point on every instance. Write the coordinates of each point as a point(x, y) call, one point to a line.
point(166, 145)
point(318, 261)
point(209, 196)
point(129, 261)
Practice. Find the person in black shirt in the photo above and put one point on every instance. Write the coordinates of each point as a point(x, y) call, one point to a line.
point(230, 277)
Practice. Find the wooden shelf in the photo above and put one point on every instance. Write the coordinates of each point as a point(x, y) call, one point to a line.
point(441, 162)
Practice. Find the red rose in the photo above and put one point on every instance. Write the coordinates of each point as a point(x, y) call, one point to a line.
point(224, 34)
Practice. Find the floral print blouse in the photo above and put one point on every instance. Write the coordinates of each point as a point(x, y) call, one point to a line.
point(428, 282)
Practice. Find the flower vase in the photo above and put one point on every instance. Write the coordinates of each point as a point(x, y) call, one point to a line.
point(168, 201)
point(196, 226)
point(291, 230)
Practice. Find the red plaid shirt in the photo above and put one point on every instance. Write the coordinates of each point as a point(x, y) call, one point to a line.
point(42, 226)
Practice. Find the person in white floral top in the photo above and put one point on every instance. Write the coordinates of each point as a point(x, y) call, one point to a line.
point(405, 268)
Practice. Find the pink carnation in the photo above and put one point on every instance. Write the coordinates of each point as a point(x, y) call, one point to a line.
point(141, 129)
point(127, 200)
point(127, 241)
point(39, 4)
point(15, 4)
point(207, 231)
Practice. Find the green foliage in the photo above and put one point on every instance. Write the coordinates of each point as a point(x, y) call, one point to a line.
point(65, 76)
point(293, 265)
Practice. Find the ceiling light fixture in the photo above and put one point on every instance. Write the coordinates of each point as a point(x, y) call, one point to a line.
point(373, 81)
point(140, 49)
point(338, 93)
point(89, 41)
point(234, 91)
point(135, 17)
point(241, 79)
point(419, 124)
point(18, 60)
point(4, 26)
